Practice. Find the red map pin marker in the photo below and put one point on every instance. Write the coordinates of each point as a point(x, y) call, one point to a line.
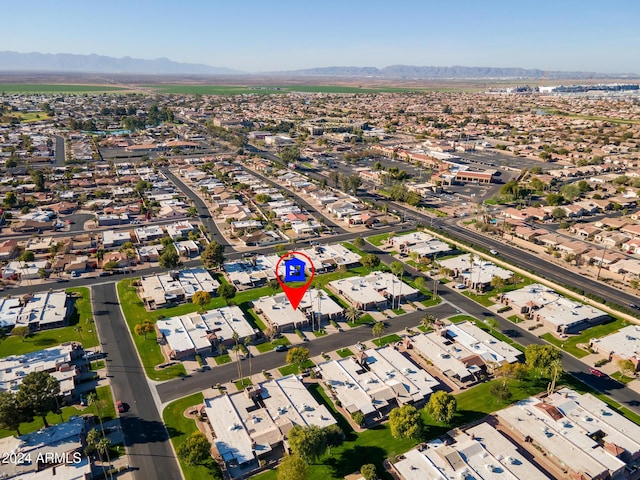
point(294, 272)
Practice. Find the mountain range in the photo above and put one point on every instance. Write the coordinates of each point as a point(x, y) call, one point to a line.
point(65, 62)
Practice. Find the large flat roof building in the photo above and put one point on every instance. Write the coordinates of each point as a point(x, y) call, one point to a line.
point(577, 432)
point(375, 381)
point(543, 304)
point(199, 332)
point(174, 287)
point(478, 275)
point(253, 423)
point(373, 290)
point(480, 452)
point(38, 311)
point(621, 345)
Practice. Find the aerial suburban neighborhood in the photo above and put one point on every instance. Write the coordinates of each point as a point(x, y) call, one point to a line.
point(470, 262)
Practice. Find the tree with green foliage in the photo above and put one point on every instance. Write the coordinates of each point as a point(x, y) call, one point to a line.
point(397, 268)
point(428, 321)
point(201, 298)
point(358, 418)
point(213, 255)
point(298, 356)
point(309, 443)
point(144, 328)
point(292, 467)
point(333, 435)
point(169, 258)
point(290, 154)
point(11, 416)
point(10, 200)
point(195, 450)
point(370, 261)
point(226, 291)
point(38, 394)
point(406, 422)
point(442, 406)
point(541, 357)
point(274, 285)
point(420, 283)
point(110, 265)
point(358, 242)
point(377, 330)
point(27, 256)
point(558, 213)
point(21, 331)
point(500, 391)
point(37, 176)
point(368, 471)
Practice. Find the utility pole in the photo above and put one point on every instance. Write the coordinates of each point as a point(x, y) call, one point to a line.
point(604, 251)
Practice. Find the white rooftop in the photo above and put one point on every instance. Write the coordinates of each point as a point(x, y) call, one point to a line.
point(482, 271)
point(625, 343)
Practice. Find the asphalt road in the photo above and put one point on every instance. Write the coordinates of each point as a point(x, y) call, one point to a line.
point(174, 389)
point(145, 435)
point(201, 207)
point(59, 155)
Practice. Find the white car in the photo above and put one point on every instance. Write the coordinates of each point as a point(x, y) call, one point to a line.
point(493, 252)
point(461, 286)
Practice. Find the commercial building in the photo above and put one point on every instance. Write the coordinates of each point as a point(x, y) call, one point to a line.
point(174, 287)
point(253, 424)
point(544, 305)
point(194, 333)
point(372, 291)
point(376, 381)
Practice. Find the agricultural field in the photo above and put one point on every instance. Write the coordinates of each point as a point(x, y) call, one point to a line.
point(268, 90)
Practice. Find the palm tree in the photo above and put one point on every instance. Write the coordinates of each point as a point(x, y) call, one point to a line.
point(237, 348)
point(247, 342)
point(397, 269)
point(428, 320)
point(352, 314)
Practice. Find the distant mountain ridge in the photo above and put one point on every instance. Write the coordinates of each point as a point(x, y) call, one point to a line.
point(409, 72)
point(67, 62)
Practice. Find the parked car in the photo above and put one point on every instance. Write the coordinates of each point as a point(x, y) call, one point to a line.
point(120, 406)
point(493, 252)
point(634, 306)
point(597, 373)
point(461, 286)
point(281, 348)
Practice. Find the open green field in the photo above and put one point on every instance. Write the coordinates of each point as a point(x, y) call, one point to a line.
point(108, 413)
point(29, 117)
point(269, 90)
point(53, 88)
point(80, 317)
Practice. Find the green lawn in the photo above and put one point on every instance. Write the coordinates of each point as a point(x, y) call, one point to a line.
point(570, 344)
point(353, 248)
point(431, 302)
point(622, 378)
point(222, 359)
point(242, 384)
point(381, 342)
point(148, 348)
point(514, 319)
point(179, 427)
point(268, 346)
point(80, 317)
point(289, 369)
point(97, 365)
point(481, 298)
point(108, 413)
point(344, 352)
point(461, 318)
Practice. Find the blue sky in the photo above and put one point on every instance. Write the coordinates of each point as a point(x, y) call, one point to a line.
point(256, 36)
